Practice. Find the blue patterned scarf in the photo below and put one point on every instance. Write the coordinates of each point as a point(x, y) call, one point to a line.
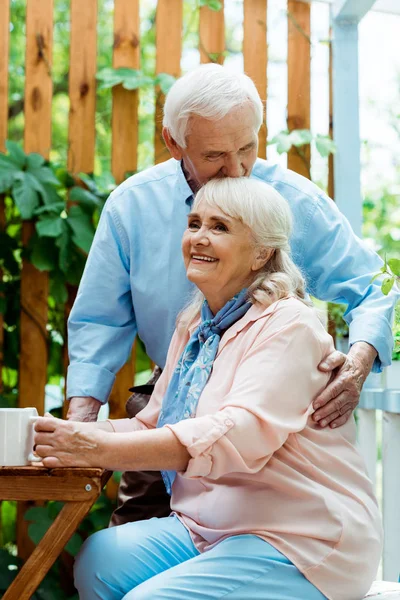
point(195, 364)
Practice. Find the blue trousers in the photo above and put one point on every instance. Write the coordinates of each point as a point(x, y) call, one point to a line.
point(157, 560)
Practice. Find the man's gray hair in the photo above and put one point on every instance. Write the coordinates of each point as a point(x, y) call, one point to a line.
point(209, 91)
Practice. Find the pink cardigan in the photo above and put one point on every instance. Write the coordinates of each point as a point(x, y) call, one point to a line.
point(259, 463)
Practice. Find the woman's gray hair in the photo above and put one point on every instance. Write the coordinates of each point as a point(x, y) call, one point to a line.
point(209, 91)
point(269, 218)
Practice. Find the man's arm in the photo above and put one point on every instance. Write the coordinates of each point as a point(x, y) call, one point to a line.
point(102, 325)
point(339, 268)
point(83, 409)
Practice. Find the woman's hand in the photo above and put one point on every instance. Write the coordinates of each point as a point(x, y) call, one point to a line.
point(68, 443)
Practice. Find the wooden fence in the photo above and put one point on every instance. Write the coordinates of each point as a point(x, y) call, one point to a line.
point(82, 96)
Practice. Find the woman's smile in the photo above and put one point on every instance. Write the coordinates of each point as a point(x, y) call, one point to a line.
point(202, 259)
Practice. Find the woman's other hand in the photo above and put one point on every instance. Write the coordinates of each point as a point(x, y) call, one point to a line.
point(68, 443)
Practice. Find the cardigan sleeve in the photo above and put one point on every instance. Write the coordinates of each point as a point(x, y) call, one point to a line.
point(271, 397)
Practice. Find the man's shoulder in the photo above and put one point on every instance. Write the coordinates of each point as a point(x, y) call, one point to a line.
point(291, 185)
point(151, 176)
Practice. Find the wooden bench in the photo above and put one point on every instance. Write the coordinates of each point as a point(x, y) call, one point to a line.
point(79, 488)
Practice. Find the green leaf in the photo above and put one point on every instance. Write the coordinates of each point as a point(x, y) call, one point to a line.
point(82, 227)
point(25, 195)
point(74, 544)
point(387, 285)
point(50, 226)
point(394, 266)
point(135, 79)
point(8, 171)
point(6, 181)
point(300, 137)
point(109, 78)
point(131, 79)
point(37, 514)
point(282, 141)
point(375, 277)
point(37, 530)
point(64, 244)
point(165, 81)
point(43, 255)
point(58, 289)
point(325, 145)
point(34, 161)
point(85, 198)
point(212, 4)
point(55, 208)
point(16, 154)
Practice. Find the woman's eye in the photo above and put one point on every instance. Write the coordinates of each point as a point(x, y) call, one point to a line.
point(193, 225)
point(221, 227)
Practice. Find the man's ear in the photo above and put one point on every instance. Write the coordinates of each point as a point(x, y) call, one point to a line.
point(174, 149)
point(263, 255)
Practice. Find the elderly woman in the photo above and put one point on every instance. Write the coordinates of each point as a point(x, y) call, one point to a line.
point(266, 505)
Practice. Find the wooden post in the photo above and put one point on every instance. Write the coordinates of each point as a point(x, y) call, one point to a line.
point(82, 86)
point(212, 35)
point(299, 81)
point(34, 284)
point(255, 56)
point(82, 94)
point(168, 60)
point(125, 123)
point(4, 49)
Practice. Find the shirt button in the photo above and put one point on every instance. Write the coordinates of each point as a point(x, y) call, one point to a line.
point(229, 422)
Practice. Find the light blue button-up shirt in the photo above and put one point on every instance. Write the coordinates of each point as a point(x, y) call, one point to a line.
point(135, 282)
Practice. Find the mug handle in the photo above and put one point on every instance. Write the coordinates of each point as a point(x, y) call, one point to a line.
point(33, 457)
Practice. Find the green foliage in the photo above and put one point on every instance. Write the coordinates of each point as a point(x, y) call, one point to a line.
point(133, 79)
point(297, 138)
point(212, 4)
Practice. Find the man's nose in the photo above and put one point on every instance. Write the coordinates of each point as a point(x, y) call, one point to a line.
point(233, 167)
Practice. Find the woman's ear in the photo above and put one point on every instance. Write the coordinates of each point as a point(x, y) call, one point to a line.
point(263, 255)
point(174, 149)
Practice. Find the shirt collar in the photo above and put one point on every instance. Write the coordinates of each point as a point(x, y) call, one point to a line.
point(185, 190)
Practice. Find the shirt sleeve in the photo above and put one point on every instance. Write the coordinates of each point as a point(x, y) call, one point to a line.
point(102, 325)
point(271, 398)
point(339, 267)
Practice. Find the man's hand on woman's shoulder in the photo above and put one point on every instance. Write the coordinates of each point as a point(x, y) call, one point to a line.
point(84, 409)
point(336, 403)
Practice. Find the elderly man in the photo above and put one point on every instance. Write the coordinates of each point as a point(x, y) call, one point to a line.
point(135, 283)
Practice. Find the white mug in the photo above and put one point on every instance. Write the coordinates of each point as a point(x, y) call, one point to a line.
point(16, 436)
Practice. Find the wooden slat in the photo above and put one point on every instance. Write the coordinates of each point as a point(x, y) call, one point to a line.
point(34, 284)
point(125, 121)
point(212, 35)
point(4, 50)
point(168, 60)
point(47, 551)
point(82, 93)
point(125, 124)
point(41, 488)
point(255, 56)
point(82, 86)
point(299, 80)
